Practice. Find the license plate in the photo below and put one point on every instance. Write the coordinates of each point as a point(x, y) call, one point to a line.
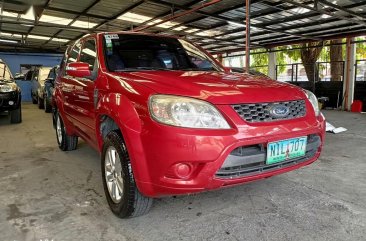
point(286, 149)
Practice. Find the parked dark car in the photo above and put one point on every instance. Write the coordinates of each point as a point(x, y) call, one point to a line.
point(48, 89)
point(39, 76)
point(10, 94)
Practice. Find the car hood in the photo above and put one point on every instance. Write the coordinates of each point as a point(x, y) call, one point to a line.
point(216, 87)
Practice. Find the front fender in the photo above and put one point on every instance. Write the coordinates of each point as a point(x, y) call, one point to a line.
point(123, 112)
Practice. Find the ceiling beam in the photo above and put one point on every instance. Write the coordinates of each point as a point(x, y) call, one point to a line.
point(37, 17)
point(78, 16)
point(340, 8)
point(322, 11)
point(288, 19)
point(219, 17)
point(171, 12)
point(178, 15)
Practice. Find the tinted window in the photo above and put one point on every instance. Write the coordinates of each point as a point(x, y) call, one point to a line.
point(131, 52)
point(88, 53)
point(35, 75)
point(29, 75)
point(73, 55)
point(52, 74)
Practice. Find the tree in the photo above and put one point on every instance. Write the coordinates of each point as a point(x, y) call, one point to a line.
point(310, 53)
point(336, 56)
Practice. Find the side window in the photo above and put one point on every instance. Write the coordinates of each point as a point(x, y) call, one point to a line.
point(73, 55)
point(88, 53)
point(51, 74)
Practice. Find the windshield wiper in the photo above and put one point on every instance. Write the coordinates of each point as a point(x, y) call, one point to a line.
point(197, 69)
point(141, 68)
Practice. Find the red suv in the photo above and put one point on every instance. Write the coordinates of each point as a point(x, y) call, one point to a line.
point(169, 119)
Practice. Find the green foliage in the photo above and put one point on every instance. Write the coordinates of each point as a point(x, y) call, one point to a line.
point(259, 60)
point(324, 54)
point(361, 48)
point(293, 54)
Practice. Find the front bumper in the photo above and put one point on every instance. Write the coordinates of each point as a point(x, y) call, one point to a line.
point(9, 101)
point(159, 148)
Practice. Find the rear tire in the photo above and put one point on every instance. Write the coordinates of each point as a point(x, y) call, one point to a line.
point(40, 103)
point(16, 115)
point(120, 188)
point(64, 141)
point(47, 105)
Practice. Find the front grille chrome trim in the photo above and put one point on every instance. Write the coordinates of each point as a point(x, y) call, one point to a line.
point(260, 112)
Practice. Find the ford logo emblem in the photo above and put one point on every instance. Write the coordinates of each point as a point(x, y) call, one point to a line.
point(279, 111)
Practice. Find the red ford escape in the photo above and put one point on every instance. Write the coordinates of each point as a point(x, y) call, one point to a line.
point(168, 119)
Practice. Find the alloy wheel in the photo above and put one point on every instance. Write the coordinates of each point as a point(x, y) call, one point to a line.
point(113, 174)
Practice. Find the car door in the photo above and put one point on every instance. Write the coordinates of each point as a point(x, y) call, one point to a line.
point(67, 84)
point(83, 88)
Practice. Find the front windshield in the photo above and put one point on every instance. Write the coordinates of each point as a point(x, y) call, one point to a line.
point(5, 73)
point(141, 52)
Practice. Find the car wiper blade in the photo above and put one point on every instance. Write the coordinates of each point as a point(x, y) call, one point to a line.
point(196, 69)
point(141, 68)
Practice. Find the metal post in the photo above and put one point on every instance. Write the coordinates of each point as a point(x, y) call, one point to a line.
point(349, 83)
point(297, 70)
point(247, 35)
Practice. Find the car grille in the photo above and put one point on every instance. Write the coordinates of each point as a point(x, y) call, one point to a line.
point(251, 160)
point(260, 112)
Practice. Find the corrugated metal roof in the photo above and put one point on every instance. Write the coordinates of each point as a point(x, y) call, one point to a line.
point(217, 27)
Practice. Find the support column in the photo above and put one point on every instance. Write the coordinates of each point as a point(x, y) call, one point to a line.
point(272, 62)
point(349, 82)
point(247, 35)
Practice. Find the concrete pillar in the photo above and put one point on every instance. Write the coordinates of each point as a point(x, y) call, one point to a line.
point(349, 80)
point(272, 62)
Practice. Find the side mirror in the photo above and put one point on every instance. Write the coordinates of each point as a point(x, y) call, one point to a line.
point(78, 69)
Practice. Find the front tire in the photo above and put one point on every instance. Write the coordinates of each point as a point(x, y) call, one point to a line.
point(64, 141)
point(123, 197)
point(16, 115)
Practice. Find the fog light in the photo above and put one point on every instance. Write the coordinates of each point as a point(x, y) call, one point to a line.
point(182, 170)
point(11, 102)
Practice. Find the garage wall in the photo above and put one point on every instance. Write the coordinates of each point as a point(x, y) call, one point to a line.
point(14, 60)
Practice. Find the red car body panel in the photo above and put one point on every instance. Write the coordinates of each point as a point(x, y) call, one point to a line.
point(154, 147)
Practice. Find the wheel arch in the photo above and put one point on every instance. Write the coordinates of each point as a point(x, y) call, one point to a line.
point(116, 112)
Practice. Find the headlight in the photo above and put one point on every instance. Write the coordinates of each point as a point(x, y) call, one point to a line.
point(185, 112)
point(314, 101)
point(7, 88)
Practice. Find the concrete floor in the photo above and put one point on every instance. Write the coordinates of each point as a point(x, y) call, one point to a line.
point(49, 194)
